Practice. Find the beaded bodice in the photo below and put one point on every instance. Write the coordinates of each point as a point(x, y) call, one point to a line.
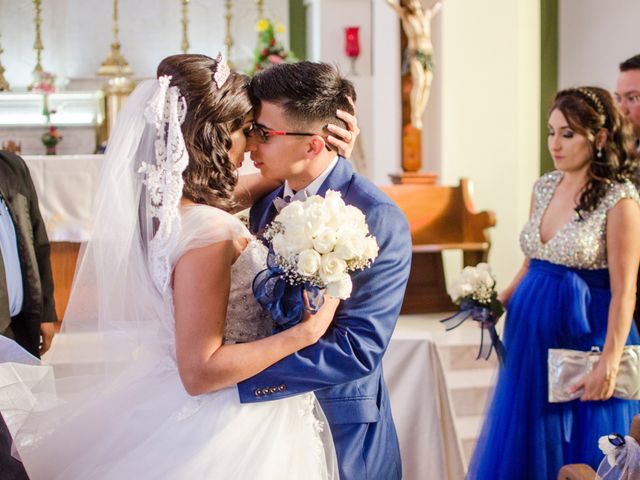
point(246, 319)
point(204, 225)
point(580, 243)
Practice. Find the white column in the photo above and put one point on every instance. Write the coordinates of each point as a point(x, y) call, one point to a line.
point(490, 114)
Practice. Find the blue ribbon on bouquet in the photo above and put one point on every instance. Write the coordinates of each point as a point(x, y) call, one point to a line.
point(284, 301)
point(470, 309)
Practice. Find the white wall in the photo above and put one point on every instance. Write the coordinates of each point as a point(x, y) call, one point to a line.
point(326, 23)
point(490, 96)
point(595, 36)
point(79, 38)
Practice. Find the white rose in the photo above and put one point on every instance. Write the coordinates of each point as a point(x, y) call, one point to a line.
point(454, 291)
point(308, 262)
point(325, 240)
point(340, 288)
point(280, 246)
point(350, 245)
point(313, 200)
point(297, 238)
point(292, 213)
point(332, 268)
point(317, 218)
point(354, 218)
point(468, 274)
point(292, 210)
point(486, 278)
point(370, 248)
point(466, 289)
point(336, 208)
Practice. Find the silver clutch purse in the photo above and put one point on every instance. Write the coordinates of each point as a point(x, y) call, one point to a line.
point(567, 367)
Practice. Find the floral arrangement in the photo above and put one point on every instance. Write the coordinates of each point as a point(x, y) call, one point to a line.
point(474, 291)
point(44, 83)
point(50, 139)
point(269, 50)
point(314, 245)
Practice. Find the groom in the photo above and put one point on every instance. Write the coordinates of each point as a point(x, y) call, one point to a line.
point(293, 104)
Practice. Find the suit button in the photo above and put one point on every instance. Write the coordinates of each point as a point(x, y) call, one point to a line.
point(273, 390)
point(282, 388)
point(258, 392)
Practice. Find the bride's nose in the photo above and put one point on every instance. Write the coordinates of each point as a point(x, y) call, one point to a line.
point(251, 144)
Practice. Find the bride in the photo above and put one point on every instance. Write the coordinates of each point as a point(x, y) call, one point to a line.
point(161, 323)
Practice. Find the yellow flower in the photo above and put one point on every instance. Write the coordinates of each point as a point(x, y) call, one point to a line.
point(279, 28)
point(262, 25)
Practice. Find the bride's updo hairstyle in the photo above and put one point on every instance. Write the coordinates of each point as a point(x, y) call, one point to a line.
point(588, 111)
point(213, 113)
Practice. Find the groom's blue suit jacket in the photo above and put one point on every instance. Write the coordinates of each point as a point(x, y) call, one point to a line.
point(345, 367)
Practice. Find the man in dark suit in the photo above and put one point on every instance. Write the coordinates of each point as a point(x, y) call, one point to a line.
point(294, 103)
point(27, 312)
point(627, 95)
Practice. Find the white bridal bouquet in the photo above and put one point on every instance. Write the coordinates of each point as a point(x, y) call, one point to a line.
point(474, 291)
point(319, 241)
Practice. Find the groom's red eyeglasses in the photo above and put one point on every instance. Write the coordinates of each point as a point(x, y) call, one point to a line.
point(263, 132)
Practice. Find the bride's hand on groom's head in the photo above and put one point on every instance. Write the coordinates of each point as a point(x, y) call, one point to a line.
point(343, 140)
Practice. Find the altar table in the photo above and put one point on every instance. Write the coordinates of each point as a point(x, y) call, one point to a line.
point(421, 406)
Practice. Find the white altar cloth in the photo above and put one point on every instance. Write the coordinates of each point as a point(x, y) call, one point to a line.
point(66, 186)
point(421, 405)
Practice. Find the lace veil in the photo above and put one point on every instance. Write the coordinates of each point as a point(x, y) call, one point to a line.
point(124, 272)
point(116, 319)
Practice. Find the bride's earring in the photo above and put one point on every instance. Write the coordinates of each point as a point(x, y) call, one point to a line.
point(599, 154)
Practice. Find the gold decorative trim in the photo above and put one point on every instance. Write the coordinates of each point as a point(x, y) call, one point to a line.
point(37, 44)
point(228, 38)
point(115, 64)
point(4, 85)
point(185, 26)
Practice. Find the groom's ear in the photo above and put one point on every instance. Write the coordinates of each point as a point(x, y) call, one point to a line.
point(315, 146)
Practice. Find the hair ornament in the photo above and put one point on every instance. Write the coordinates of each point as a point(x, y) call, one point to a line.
point(221, 71)
point(594, 100)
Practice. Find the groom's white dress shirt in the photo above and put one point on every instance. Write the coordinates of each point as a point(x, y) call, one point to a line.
point(310, 189)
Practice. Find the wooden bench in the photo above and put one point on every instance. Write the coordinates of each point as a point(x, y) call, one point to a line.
point(64, 256)
point(440, 218)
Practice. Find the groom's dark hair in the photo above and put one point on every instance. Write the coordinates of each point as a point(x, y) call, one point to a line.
point(308, 92)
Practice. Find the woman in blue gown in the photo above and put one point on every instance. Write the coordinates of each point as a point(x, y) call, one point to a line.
point(575, 290)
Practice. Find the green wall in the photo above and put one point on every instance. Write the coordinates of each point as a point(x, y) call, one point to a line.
point(298, 28)
point(548, 72)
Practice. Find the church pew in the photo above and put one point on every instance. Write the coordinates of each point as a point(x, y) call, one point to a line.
point(441, 218)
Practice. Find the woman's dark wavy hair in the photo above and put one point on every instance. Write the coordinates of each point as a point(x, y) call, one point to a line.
point(589, 110)
point(212, 115)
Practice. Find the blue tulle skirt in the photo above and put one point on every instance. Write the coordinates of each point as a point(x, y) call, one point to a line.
point(525, 436)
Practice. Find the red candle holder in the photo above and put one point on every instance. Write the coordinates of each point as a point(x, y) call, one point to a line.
point(352, 46)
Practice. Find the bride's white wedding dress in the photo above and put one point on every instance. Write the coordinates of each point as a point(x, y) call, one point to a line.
point(144, 425)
